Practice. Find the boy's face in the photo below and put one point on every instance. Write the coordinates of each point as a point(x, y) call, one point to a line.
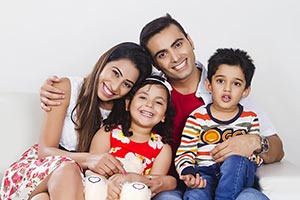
point(173, 53)
point(228, 86)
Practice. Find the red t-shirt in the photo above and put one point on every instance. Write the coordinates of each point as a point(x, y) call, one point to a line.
point(184, 105)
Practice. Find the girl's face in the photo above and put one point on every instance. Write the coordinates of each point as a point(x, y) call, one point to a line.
point(149, 105)
point(117, 79)
point(228, 86)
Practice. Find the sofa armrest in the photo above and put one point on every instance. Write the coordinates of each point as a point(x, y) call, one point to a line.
point(280, 180)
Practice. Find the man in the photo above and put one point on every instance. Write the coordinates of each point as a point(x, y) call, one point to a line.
point(172, 51)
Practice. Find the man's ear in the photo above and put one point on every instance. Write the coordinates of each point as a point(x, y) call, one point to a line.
point(190, 40)
point(207, 85)
point(246, 92)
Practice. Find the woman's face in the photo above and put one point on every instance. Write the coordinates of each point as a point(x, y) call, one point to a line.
point(117, 79)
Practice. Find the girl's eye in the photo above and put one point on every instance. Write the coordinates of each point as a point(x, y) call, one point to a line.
point(159, 103)
point(142, 97)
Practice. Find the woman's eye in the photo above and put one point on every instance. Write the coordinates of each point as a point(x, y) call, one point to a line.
point(116, 73)
point(128, 85)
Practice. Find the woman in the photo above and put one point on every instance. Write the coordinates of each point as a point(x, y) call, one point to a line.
point(53, 168)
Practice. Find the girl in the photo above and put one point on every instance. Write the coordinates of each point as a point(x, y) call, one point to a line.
point(53, 168)
point(143, 131)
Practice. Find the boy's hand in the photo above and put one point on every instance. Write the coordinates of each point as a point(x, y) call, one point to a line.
point(192, 181)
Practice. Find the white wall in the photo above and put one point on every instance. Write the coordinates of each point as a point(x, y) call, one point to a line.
point(39, 38)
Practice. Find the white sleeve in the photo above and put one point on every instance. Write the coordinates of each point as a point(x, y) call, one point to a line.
point(266, 126)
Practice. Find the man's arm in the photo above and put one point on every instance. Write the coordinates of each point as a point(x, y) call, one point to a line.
point(245, 145)
point(49, 95)
point(275, 152)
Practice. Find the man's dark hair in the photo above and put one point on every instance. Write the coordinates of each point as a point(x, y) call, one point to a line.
point(156, 26)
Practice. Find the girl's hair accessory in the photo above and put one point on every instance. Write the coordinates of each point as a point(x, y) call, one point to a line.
point(159, 76)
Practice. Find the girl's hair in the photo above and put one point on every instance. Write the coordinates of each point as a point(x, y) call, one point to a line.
point(119, 115)
point(88, 118)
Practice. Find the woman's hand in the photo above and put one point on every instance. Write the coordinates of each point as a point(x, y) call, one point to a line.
point(105, 164)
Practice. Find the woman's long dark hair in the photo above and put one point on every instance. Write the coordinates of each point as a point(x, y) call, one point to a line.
point(119, 115)
point(88, 118)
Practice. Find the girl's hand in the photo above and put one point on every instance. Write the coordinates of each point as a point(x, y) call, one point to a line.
point(155, 183)
point(114, 189)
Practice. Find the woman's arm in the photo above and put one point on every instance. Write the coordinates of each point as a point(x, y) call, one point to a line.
point(108, 164)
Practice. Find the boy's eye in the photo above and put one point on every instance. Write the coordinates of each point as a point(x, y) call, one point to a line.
point(220, 81)
point(237, 84)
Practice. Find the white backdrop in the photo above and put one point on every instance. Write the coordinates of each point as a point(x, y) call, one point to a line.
point(39, 38)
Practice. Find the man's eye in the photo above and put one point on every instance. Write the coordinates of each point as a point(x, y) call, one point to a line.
point(178, 44)
point(161, 55)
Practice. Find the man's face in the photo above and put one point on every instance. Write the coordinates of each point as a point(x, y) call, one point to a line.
point(173, 53)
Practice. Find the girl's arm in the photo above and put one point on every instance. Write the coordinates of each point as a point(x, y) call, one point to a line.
point(158, 180)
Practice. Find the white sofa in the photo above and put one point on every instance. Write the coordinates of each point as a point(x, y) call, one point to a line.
point(21, 118)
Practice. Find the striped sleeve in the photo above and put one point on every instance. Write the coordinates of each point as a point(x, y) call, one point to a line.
point(187, 151)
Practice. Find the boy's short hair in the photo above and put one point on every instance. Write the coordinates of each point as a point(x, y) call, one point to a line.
point(231, 57)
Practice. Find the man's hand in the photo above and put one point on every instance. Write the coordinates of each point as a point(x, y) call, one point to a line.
point(243, 145)
point(48, 93)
